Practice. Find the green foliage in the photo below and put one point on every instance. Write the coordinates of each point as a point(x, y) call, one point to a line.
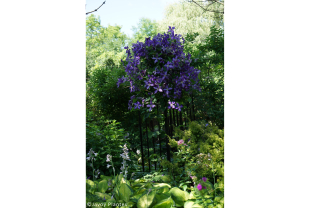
point(109, 121)
point(189, 18)
point(103, 44)
point(103, 95)
point(138, 193)
point(200, 153)
point(179, 196)
point(145, 28)
point(203, 140)
point(208, 56)
point(104, 138)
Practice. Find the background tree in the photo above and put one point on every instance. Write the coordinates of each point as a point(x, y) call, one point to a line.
point(189, 18)
point(103, 44)
point(145, 28)
point(215, 6)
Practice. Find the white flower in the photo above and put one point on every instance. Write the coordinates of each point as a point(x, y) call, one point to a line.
point(96, 154)
point(138, 152)
point(88, 158)
point(109, 158)
point(109, 165)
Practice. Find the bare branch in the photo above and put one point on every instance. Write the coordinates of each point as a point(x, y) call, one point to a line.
point(96, 9)
point(218, 2)
point(206, 9)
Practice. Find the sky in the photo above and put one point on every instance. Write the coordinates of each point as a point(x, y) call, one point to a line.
point(127, 13)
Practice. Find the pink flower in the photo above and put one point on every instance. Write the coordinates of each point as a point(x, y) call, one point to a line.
point(180, 142)
point(199, 186)
point(204, 179)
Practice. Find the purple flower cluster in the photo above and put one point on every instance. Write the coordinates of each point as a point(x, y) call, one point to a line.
point(159, 67)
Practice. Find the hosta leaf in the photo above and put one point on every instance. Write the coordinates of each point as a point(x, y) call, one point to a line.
point(166, 203)
point(103, 195)
point(103, 186)
point(162, 187)
point(159, 197)
point(125, 192)
point(146, 200)
point(166, 178)
point(179, 196)
point(191, 204)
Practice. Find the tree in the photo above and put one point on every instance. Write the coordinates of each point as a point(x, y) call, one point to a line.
point(187, 17)
point(103, 43)
point(216, 6)
point(146, 28)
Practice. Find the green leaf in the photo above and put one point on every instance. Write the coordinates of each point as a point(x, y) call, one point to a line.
point(125, 192)
point(165, 178)
point(161, 196)
point(103, 195)
point(146, 200)
point(179, 196)
point(191, 204)
point(166, 203)
point(162, 187)
point(90, 186)
point(103, 186)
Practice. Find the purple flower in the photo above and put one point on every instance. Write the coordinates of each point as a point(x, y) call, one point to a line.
point(88, 177)
point(151, 105)
point(176, 73)
point(167, 91)
point(137, 105)
point(204, 179)
point(178, 107)
point(204, 187)
point(148, 84)
point(156, 59)
point(171, 104)
point(199, 186)
point(207, 125)
point(157, 89)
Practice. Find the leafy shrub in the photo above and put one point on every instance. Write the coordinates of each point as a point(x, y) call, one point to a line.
point(136, 193)
point(105, 139)
point(200, 153)
point(103, 95)
point(208, 57)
